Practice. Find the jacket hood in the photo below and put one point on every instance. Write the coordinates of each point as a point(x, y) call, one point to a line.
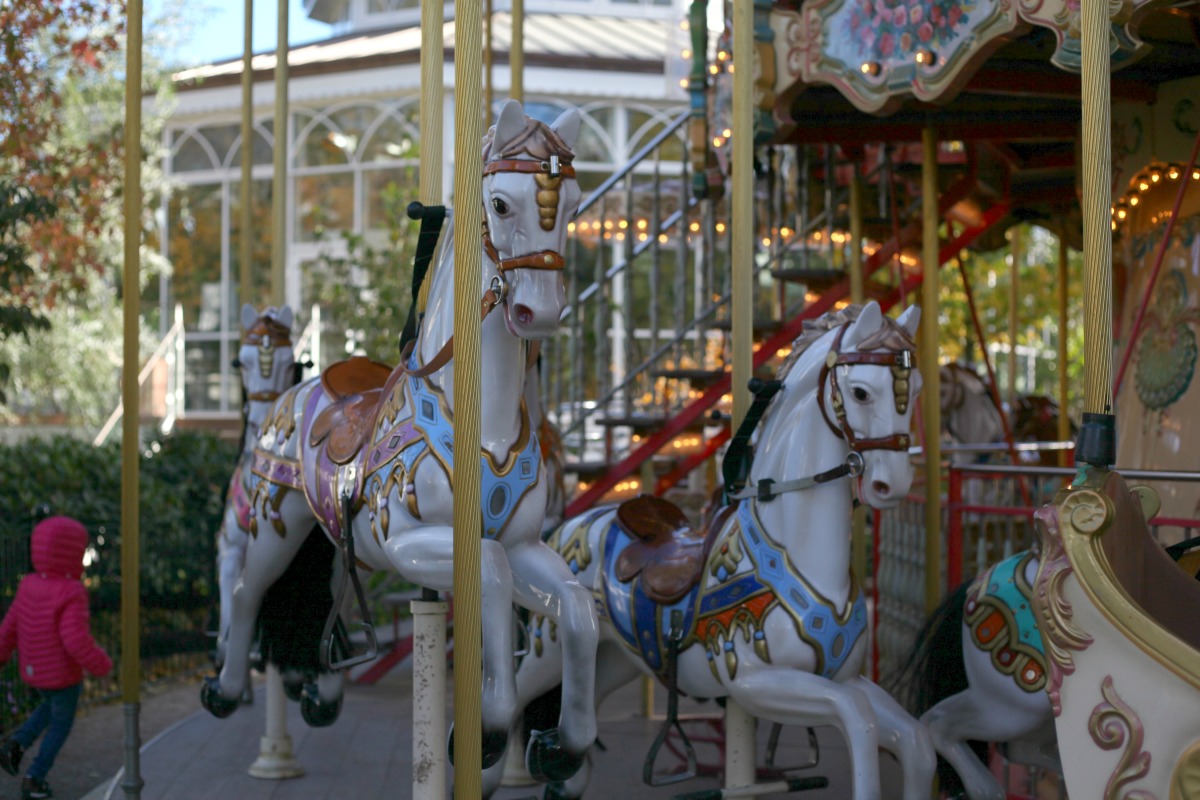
point(58, 547)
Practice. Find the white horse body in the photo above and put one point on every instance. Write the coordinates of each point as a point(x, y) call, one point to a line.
point(741, 634)
point(969, 414)
point(266, 361)
point(397, 474)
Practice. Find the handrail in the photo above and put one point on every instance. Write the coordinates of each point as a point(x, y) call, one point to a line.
point(159, 354)
point(634, 160)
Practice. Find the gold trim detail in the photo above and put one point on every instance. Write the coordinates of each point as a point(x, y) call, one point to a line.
point(1114, 724)
point(1185, 780)
point(1098, 581)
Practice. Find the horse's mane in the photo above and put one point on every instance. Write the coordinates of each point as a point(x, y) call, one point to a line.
point(890, 336)
point(538, 140)
point(970, 379)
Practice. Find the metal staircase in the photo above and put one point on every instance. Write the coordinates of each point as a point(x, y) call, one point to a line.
point(638, 379)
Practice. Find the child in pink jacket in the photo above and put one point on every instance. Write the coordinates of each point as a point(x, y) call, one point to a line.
point(47, 625)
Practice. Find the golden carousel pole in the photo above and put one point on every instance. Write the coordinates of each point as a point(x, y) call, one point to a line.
point(468, 278)
point(429, 613)
point(488, 59)
point(858, 524)
point(246, 244)
point(1064, 417)
point(516, 52)
point(739, 725)
point(131, 664)
point(279, 181)
point(931, 411)
point(1097, 445)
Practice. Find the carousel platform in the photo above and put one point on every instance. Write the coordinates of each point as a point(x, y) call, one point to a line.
point(367, 753)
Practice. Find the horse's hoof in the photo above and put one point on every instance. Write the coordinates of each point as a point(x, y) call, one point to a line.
point(555, 791)
point(212, 699)
point(293, 690)
point(317, 712)
point(493, 745)
point(546, 759)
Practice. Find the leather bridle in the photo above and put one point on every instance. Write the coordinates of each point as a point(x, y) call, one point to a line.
point(901, 363)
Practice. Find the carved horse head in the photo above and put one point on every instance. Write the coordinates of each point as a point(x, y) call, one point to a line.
point(265, 359)
point(527, 166)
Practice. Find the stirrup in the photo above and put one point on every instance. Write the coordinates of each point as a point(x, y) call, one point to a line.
point(672, 720)
point(345, 545)
point(773, 747)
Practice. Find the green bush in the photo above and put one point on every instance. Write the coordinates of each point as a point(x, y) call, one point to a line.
point(183, 478)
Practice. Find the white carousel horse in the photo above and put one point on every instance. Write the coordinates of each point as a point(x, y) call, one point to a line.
point(969, 415)
point(550, 441)
point(769, 612)
point(266, 362)
point(1122, 628)
point(366, 451)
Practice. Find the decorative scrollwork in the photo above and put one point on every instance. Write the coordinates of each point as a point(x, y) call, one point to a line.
point(1114, 724)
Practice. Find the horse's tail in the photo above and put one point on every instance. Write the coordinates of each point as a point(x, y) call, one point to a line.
point(296, 606)
point(934, 670)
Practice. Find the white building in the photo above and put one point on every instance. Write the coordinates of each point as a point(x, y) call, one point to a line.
point(353, 130)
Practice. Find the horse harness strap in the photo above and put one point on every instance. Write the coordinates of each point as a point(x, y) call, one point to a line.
point(432, 217)
point(900, 361)
point(767, 489)
point(735, 468)
point(443, 356)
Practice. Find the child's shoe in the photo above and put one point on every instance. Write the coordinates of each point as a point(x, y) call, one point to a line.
point(35, 789)
point(10, 756)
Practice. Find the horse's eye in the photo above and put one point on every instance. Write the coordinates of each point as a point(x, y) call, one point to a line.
point(500, 206)
point(860, 394)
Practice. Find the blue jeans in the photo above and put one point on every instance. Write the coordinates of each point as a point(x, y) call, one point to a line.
point(55, 715)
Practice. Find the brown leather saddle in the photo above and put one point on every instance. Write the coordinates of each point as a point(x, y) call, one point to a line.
point(667, 552)
point(356, 387)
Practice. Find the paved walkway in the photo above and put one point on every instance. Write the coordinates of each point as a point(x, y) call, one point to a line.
point(367, 753)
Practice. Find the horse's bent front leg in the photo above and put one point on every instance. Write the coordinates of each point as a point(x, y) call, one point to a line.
point(544, 584)
point(425, 556)
point(903, 736)
point(793, 697)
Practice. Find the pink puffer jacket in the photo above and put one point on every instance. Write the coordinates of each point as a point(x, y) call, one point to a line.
point(47, 623)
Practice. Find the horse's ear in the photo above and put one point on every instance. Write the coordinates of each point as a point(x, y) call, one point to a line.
point(249, 314)
point(910, 320)
point(509, 125)
point(567, 127)
point(869, 320)
point(285, 317)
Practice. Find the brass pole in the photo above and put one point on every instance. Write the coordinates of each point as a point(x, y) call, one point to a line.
point(246, 243)
point(739, 726)
point(131, 665)
point(468, 280)
point(432, 99)
point(1014, 317)
point(279, 181)
point(930, 409)
point(488, 58)
point(1097, 232)
point(516, 52)
point(858, 522)
point(1064, 417)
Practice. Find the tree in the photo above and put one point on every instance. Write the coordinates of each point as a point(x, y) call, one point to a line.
point(61, 232)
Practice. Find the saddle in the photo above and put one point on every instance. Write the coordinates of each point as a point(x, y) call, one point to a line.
point(356, 387)
point(667, 552)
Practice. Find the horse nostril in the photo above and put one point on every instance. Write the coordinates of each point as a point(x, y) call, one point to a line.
point(880, 488)
point(524, 314)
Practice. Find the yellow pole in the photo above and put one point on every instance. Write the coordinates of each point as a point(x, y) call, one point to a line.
point(246, 242)
point(1014, 318)
point(858, 522)
point(1064, 417)
point(739, 725)
point(1097, 233)
point(432, 98)
point(279, 182)
point(131, 665)
point(930, 409)
point(487, 60)
point(468, 282)
point(516, 52)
